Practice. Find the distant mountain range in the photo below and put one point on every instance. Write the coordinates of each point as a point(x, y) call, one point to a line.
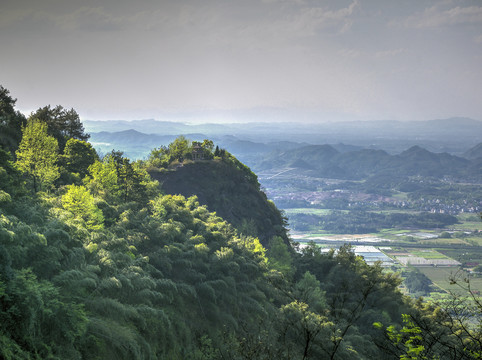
point(454, 135)
point(137, 145)
point(333, 161)
point(325, 161)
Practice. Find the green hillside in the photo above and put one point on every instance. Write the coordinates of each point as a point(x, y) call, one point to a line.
point(97, 263)
point(232, 192)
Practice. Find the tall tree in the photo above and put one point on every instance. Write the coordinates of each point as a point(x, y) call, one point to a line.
point(37, 155)
point(78, 156)
point(159, 158)
point(62, 124)
point(11, 122)
point(179, 149)
point(10, 181)
point(117, 179)
point(279, 256)
point(207, 146)
point(81, 204)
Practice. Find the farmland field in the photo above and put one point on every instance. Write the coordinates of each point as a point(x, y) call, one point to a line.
point(438, 250)
point(427, 254)
point(440, 276)
point(313, 211)
point(468, 222)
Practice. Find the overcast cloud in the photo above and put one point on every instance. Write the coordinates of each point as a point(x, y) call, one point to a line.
point(350, 59)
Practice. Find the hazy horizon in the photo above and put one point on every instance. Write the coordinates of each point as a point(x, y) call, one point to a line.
point(218, 61)
point(232, 118)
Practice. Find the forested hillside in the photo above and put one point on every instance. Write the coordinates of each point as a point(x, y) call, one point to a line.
point(325, 161)
point(96, 262)
point(229, 188)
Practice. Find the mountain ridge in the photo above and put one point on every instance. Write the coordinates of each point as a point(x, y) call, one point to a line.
point(327, 162)
point(453, 135)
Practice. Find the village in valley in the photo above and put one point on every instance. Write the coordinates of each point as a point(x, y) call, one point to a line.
point(435, 254)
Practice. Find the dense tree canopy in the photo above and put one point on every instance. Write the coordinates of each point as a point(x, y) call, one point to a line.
point(62, 124)
point(114, 269)
point(118, 180)
point(231, 189)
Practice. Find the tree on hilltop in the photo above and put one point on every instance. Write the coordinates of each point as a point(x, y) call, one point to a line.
point(179, 149)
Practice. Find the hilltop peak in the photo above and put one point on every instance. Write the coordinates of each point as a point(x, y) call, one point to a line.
point(229, 188)
point(474, 152)
point(415, 150)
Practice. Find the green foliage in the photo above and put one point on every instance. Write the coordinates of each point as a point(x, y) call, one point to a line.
point(249, 176)
point(208, 145)
point(125, 291)
point(305, 327)
point(280, 257)
point(62, 124)
point(179, 150)
point(159, 158)
point(36, 322)
point(11, 122)
point(10, 179)
point(37, 155)
point(231, 191)
point(253, 245)
point(308, 290)
point(118, 180)
point(409, 338)
point(113, 270)
point(446, 330)
point(78, 156)
point(417, 282)
point(352, 309)
point(80, 203)
point(361, 222)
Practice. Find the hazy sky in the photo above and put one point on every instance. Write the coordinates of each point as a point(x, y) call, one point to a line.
point(360, 59)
